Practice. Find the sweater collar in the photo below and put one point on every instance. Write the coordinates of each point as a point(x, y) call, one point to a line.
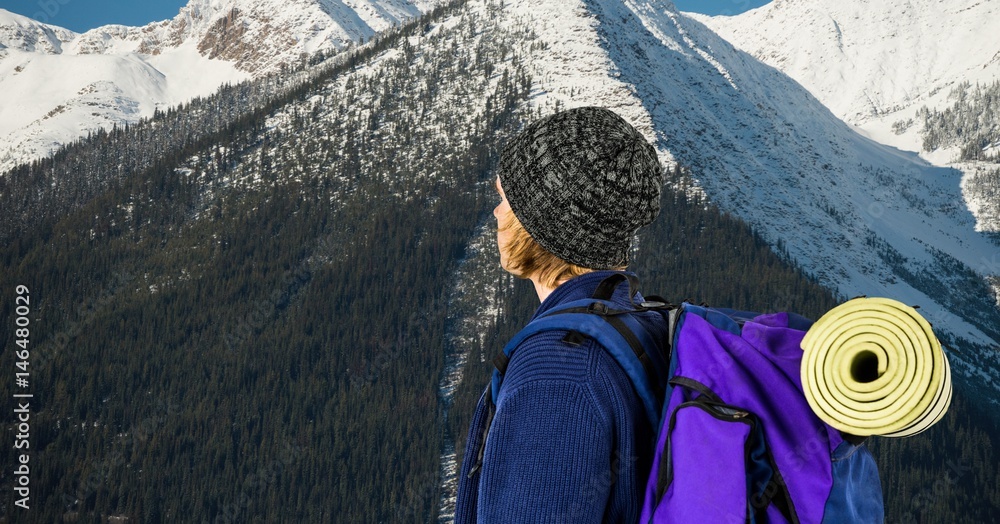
point(578, 288)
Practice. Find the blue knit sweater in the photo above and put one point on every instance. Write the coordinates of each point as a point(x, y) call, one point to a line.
point(569, 441)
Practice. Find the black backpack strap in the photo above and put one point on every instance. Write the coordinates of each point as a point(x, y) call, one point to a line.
point(606, 289)
point(590, 315)
point(481, 452)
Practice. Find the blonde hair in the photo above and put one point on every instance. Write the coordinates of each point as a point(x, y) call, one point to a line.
point(527, 258)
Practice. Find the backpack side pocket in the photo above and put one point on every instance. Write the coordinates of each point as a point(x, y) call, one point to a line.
point(715, 466)
point(711, 486)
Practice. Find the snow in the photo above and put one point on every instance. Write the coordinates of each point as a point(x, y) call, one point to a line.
point(765, 149)
point(58, 85)
point(20, 32)
point(875, 67)
point(188, 74)
point(575, 70)
point(60, 97)
point(865, 62)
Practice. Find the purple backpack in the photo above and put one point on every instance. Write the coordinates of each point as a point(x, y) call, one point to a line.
point(738, 442)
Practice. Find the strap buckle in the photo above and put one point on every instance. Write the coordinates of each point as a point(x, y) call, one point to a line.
point(598, 308)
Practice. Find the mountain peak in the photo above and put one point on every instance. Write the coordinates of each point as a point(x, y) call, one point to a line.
point(115, 73)
point(863, 59)
point(23, 33)
point(257, 36)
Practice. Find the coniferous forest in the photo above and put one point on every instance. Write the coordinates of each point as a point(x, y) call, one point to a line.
point(279, 303)
point(971, 125)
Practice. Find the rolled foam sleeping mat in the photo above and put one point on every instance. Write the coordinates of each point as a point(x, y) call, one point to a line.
point(872, 366)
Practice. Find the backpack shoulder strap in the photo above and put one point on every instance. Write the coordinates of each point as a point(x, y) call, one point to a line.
point(632, 347)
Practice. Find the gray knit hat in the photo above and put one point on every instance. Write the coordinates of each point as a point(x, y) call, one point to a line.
point(582, 182)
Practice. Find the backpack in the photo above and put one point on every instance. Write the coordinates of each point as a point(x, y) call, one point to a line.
point(737, 440)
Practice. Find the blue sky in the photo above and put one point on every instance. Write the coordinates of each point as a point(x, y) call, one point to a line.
point(713, 7)
point(81, 15)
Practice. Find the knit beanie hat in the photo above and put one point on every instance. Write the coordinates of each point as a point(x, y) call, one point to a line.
point(582, 182)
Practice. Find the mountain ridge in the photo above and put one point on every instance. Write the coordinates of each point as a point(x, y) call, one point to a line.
point(884, 69)
point(866, 63)
point(21, 32)
point(861, 217)
point(115, 74)
point(283, 261)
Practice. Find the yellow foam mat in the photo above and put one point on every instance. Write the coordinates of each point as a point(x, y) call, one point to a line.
point(872, 366)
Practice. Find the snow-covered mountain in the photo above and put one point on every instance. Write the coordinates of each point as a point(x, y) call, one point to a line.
point(254, 35)
point(876, 65)
point(862, 217)
point(865, 60)
point(23, 33)
point(57, 85)
point(413, 124)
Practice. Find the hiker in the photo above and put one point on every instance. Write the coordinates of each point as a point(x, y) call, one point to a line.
point(567, 439)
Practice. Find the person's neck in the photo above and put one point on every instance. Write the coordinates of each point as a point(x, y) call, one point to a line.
point(542, 289)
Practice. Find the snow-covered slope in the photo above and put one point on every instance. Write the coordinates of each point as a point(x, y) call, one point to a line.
point(53, 97)
point(866, 60)
point(57, 84)
point(862, 217)
point(876, 64)
point(26, 34)
point(255, 35)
